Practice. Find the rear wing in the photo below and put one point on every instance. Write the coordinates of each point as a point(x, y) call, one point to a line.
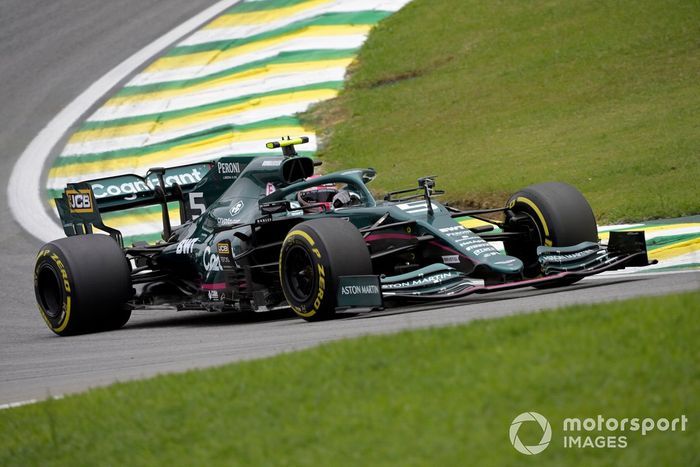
point(194, 187)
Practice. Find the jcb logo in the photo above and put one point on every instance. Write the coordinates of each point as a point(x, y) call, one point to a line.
point(80, 201)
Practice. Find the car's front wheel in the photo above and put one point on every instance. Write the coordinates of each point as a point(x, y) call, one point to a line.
point(549, 214)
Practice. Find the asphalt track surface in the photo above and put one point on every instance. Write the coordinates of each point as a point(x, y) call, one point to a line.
point(51, 52)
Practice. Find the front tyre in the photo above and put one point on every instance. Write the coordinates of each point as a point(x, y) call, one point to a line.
point(549, 214)
point(82, 284)
point(313, 256)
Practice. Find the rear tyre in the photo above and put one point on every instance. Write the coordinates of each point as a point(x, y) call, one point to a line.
point(82, 284)
point(552, 214)
point(313, 256)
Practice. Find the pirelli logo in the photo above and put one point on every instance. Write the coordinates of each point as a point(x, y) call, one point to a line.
point(80, 201)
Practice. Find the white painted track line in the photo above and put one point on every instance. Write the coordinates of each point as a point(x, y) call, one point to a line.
point(25, 195)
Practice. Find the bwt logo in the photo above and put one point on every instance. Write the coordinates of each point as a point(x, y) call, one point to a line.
point(546, 433)
point(79, 200)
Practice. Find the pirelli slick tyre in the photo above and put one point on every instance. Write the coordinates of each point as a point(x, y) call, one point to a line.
point(82, 284)
point(554, 214)
point(313, 256)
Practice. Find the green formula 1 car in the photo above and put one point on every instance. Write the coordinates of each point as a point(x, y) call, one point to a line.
point(263, 233)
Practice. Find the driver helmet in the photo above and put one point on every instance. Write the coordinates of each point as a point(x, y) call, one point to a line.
point(317, 198)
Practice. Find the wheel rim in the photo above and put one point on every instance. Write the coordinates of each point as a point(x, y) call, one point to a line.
point(50, 292)
point(299, 274)
point(527, 251)
point(534, 226)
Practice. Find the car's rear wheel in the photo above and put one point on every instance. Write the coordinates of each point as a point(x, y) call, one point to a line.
point(313, 256)
point(551, 214)
point(82, 284)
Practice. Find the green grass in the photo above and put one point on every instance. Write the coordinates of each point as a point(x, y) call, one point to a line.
point(493, 96)
point(430, 397)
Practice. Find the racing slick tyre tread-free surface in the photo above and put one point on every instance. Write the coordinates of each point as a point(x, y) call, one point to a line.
point(313, 256)
point(82, 284)
point(561, 216)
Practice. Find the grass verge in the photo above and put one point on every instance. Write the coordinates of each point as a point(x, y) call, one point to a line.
point(430, 397)
point(494, 96)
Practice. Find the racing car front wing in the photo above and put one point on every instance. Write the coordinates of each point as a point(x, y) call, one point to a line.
point(441, 282)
